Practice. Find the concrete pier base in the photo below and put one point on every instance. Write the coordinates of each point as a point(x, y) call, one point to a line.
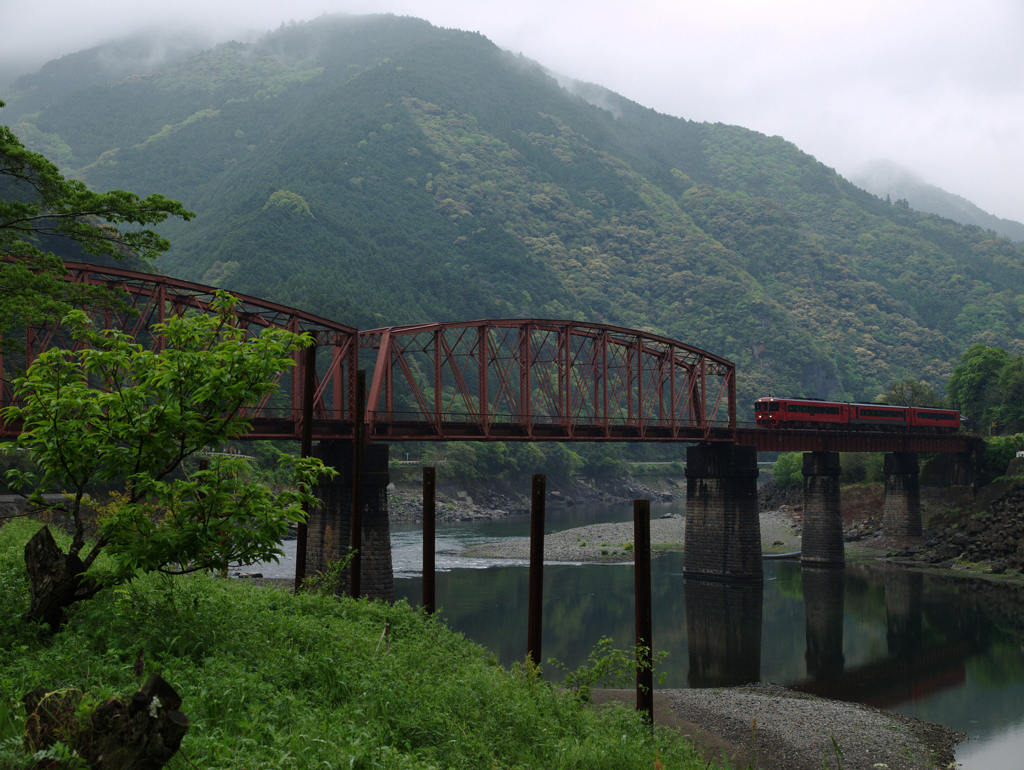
point(723, 531)
point(822, 543)
point(901, 514)
point(330, 525)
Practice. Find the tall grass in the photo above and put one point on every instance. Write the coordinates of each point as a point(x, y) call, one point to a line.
point(273, 680)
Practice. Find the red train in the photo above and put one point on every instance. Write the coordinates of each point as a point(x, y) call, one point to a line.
point(809, 412)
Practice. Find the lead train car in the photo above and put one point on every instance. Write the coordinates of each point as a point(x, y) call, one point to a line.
point(807, 413)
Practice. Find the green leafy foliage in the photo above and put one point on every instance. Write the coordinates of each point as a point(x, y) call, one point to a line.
point(114, 412)
point(862, 468)
point(40, 207)
point(911, 392)
point(987, 386)
point(609, 666)
point(857, 468)
point(327, 688)
point(789, 469)
point(999, 451)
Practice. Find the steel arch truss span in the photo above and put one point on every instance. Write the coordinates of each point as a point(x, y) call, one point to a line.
point(146, 300)
point(543, 380)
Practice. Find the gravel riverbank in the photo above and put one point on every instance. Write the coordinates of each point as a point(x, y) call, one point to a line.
point(613, 542)
point(768, 727)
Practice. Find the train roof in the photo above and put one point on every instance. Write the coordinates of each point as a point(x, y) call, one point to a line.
point(851, 403)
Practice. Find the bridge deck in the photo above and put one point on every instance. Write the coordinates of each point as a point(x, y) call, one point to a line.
point(745, 434)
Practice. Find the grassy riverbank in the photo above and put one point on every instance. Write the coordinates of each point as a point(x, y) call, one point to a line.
point(273, 680)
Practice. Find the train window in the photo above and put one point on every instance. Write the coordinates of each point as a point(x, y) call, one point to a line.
point(936, 415)
point(757, 407)
point(813, 409)
point(889, 414)
point(773, 407)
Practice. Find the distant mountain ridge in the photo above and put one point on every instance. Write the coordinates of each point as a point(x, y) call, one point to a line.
point(885, 178)
point(381, 170)
point(122, 58)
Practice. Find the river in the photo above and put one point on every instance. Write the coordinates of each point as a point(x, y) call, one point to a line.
point(949, 650)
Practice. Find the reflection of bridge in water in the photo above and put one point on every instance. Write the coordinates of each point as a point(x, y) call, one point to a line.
point(724, 633)
point(526, 380)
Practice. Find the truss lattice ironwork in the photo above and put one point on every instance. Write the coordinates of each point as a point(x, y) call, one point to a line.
point(543, 380)
point(147, 300)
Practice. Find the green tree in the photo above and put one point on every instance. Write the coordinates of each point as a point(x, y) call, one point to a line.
point(38, 205)
point(911, 392)
point(560, 462)
point(999, 451)
point(789, 469)
point(601, 460)
point(862, 468)
point(1010, 414)
point(461, 462)
point(974, 386)
point(111, 410)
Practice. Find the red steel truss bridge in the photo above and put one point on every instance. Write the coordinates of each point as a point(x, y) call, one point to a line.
point(150, 299)
point(536, 380)
point(509, 380)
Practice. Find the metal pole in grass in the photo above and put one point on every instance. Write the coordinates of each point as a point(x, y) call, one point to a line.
point(358, 437)
point(429, 513)
point(308, 394)
point(533, 628)
point(642, 584)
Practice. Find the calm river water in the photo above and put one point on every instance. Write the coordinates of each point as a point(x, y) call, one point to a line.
point(938, 648)
point(946, 650)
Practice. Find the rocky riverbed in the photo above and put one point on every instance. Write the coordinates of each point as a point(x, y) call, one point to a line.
point(986, 537)
point(470, 502)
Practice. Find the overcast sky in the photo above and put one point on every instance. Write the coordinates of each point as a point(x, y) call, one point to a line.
point(936, 86)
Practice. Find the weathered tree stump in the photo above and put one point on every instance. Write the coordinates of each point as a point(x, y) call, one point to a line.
point(142, 734)
point(55, 580)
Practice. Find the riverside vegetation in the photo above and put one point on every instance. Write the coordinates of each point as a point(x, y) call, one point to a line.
point(272, 679)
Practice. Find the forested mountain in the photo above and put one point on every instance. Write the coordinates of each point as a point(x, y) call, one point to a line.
point(380, 170)
point(887, 179)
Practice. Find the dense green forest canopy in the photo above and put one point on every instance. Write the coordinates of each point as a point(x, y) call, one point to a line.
point(380, 170)
point(40, 210)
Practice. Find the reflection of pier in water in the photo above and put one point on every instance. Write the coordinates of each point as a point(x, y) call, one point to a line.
point(824, 591)
point(724, 627)
point(723, 632)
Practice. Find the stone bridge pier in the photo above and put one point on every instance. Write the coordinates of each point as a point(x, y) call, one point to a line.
point(723, 530)
point(823, 544)
point(901, 515)
point(822, 537)
point(329, 528)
